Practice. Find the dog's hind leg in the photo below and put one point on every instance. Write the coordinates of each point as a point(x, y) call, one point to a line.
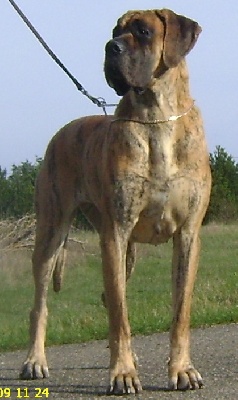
point(48, 252)
point(54, 216)
point(59, 266)
point(130, 259)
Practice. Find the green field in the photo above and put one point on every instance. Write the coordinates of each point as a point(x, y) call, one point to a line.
point(76, 314)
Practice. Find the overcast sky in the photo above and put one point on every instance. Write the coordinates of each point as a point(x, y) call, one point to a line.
point(37, 98)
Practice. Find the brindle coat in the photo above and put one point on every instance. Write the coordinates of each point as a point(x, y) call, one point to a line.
point(138, 176)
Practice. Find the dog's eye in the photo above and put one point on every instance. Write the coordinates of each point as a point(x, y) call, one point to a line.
point(143, 31)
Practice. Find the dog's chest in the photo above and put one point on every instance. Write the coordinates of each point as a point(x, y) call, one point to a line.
point(167, 192)
point(168, 205)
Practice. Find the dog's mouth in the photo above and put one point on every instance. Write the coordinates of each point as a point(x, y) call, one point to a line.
point(121, 68)
point(115, 78)
point(114, 51)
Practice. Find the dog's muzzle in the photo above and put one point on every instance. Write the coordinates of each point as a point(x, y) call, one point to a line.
point(114, 48)
point(114, 51)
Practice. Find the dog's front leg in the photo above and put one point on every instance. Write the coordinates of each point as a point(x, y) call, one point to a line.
point(123, 374)
point(182, 374)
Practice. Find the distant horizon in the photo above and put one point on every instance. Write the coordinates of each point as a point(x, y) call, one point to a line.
point(34, 162)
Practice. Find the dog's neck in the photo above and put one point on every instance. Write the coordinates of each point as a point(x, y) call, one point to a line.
point(168, 95)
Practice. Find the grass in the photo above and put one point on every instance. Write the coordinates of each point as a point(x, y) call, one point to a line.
point(76, 314)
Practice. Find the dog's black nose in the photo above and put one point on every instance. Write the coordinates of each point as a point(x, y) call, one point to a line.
point(114, 47)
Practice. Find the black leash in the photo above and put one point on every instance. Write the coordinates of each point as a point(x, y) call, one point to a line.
point(99, 101)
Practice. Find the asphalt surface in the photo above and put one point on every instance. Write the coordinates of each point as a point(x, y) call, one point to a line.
point(80, 371)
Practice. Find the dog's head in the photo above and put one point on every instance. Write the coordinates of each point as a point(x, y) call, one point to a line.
point(144, 45)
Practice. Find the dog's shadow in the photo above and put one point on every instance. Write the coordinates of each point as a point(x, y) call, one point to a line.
point(57, 389)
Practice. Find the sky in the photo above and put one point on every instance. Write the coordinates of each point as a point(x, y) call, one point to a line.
point(37, 98)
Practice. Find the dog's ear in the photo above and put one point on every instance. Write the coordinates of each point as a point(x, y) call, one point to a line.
point(181, 34)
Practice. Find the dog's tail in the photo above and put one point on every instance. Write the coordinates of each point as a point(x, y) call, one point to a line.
point(59, 267)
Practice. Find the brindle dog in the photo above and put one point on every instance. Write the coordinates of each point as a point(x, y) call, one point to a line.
point(141, 175)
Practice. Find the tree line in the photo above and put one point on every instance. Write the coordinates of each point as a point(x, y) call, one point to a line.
point(17, 189)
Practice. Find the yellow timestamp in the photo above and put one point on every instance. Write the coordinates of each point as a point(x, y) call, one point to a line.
point(24, 393)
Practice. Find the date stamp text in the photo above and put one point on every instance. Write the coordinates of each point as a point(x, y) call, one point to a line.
point(24, 393)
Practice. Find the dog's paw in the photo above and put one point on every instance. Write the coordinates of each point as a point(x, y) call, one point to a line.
point(184, 378)
point(34, 370)
point(124, 384)
point(124, 378)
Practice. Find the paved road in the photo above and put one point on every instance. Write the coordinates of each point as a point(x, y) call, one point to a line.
point(80, 371)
